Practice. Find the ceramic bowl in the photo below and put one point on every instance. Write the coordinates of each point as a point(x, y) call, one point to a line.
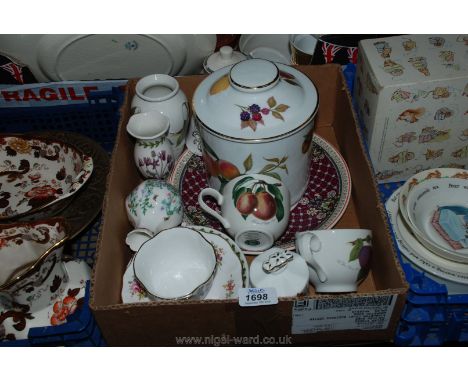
point(274, 47)
point(438, 215)
point(422, 195)
point(29, 253)
point(39, 176)
point(176, 264)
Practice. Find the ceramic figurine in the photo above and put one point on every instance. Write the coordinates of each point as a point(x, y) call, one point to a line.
point(152, 206)
point(153, 152)
point(254, 210)
point(161, 92)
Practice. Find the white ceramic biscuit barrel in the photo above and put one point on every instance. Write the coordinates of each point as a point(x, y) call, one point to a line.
point(257, 117)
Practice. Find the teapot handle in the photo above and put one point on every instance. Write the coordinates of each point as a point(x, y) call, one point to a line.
point(219, 199)
point(136, 238)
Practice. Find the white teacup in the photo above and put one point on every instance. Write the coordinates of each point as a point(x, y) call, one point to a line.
point(254, 210)
point(178, 263)
point(338, 259)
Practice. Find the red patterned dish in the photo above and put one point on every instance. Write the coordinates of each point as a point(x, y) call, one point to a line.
point(324, 202)
point(38, 175)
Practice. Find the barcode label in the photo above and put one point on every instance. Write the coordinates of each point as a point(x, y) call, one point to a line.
point(364, 313)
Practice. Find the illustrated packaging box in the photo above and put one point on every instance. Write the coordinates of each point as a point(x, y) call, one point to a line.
point(411, 93)
point(372, 314)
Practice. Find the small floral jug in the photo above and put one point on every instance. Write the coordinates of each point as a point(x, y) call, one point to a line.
point(153, 152)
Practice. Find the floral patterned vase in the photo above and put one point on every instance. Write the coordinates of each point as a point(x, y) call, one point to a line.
point(153, 152)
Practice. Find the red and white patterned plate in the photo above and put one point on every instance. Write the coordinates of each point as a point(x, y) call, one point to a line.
point(323, 203)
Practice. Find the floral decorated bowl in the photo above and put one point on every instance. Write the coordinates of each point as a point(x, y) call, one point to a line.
point(30, 260)
point(257, 117)
point(38, 176)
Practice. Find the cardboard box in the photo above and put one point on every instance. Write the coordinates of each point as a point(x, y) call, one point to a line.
point(412, 99)
point(159, 323)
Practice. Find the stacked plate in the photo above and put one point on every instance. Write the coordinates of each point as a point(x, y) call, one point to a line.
point(429, 214)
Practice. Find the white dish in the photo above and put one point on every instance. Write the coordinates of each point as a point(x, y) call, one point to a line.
point(91, 57)
point(273, 47)
point(232, 273)
point(18, 321)
point(455, 274)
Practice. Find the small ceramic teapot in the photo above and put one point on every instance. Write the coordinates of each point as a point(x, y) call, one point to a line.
point(152, 206)
point(153, 152)
point(254, 210)
point(161, 92)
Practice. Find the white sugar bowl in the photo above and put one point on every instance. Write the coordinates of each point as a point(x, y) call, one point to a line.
point(257, 117)
point(225, 57)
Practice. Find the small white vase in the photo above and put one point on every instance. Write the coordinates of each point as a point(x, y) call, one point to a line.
point(153, 153)
point(161, 92)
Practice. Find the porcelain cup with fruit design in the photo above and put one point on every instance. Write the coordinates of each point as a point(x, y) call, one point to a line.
point(152, 206)
point(153, 152)
point(338, 259)
point(254, 210)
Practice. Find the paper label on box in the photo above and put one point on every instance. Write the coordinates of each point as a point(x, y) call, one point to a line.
point(257, 296)
point(53, 94)
point(364, 313)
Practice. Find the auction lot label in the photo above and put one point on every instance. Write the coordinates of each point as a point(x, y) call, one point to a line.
point(364, 313)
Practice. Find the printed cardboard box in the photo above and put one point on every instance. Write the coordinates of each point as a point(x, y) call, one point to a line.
point(411, 93)
point(370, 315)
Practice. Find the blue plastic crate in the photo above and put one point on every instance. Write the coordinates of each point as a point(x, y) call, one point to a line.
point(98, 119)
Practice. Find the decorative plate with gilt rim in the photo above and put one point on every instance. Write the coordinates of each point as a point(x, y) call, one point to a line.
point(86, 205)
point(232, 273)
point(322, 205)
